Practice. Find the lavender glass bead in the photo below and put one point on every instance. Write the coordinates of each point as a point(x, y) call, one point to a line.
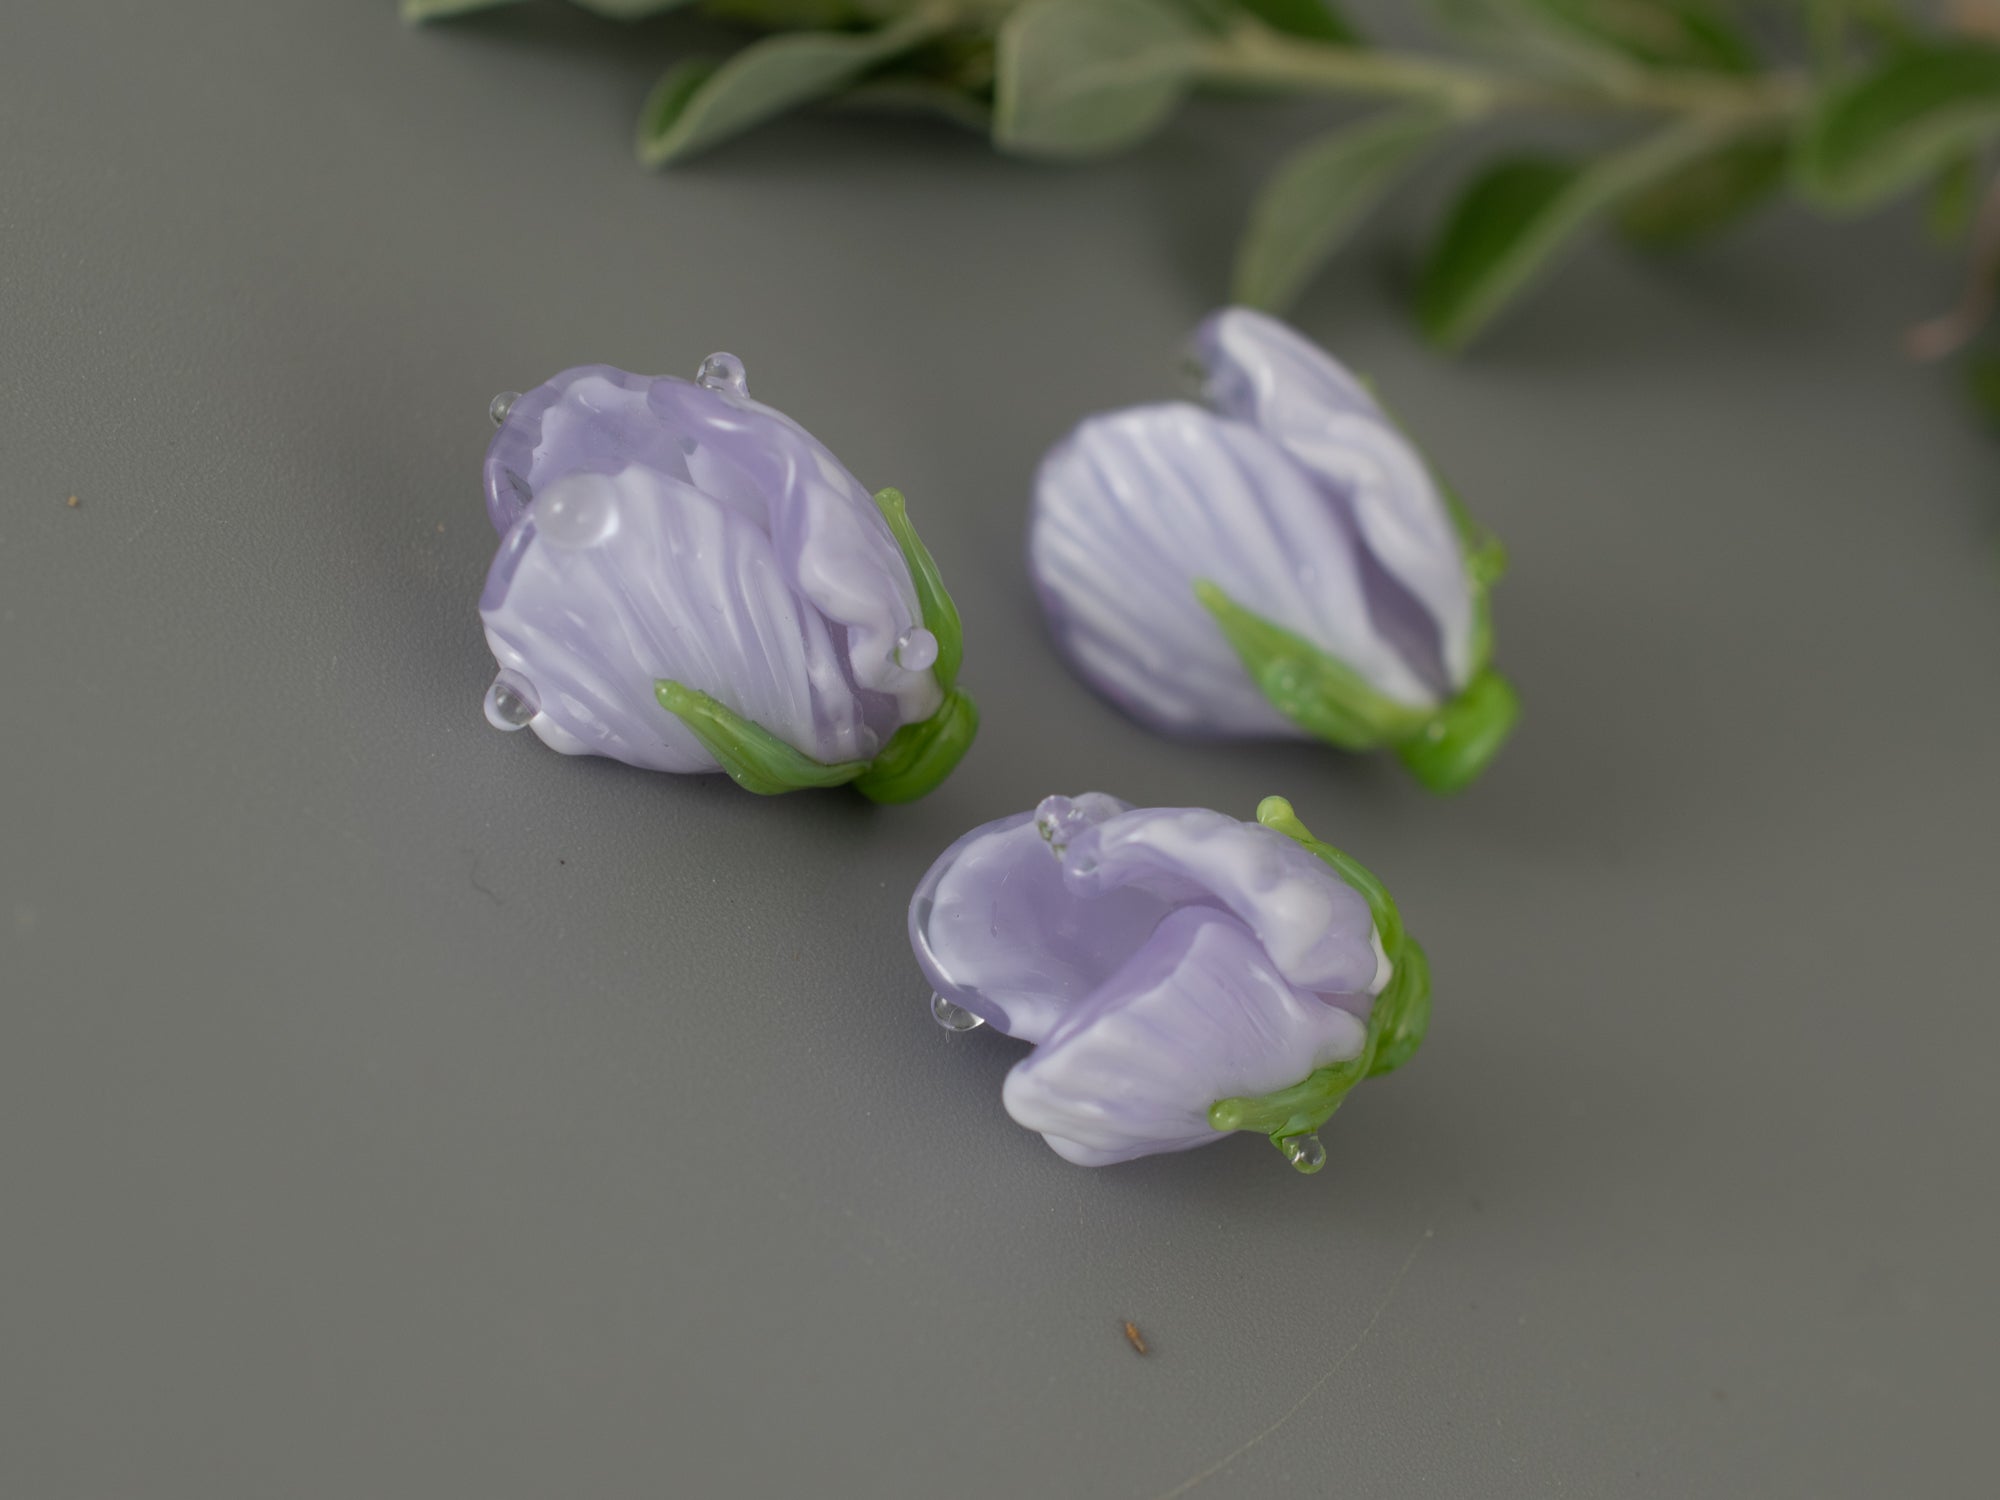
point(1180, 973)
point(688, 581)
point(1279, 562)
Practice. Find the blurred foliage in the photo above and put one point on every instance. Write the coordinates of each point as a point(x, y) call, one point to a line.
point(1687, 114)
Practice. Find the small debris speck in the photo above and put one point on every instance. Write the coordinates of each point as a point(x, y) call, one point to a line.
point(1135, 1338)
point(72, 502)
point(440, 531)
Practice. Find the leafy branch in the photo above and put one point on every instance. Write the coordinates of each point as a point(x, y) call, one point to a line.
point(1690, 113)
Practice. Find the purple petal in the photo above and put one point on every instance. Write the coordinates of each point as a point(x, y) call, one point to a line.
point(1317, 930)
point(1261, 372)
point(1200, 1013)
point(1133, 507)
point(996, 931)
point(609, 582)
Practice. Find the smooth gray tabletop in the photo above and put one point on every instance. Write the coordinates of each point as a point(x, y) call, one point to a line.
point(394, 1108)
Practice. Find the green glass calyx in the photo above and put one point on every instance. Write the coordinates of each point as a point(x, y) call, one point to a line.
point(940, 614)
point(1397, 1022)
point(1450, 751)
point(1445, 748)
point(756, 758)
point(919, 756)
point(1320, 694)
point(916, 758)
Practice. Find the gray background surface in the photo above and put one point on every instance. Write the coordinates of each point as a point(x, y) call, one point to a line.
point(389, 1107)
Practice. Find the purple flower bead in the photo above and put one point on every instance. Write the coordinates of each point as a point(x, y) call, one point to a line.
point(1181, 974)
point(688, 581)
point(1280, 562)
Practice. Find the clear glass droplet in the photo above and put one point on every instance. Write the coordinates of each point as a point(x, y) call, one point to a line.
point(501, 405)
point(952, 1016)
point(723, 372)
point(511, 702)
point(1305, 1152)
point(916, 649)
point(576, 512)
point(1058, 820)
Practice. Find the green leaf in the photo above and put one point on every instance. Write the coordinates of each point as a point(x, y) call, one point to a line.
point(1308, 209)
point(1316, 19)
point(792, 15)
point(1325, 697)
point(1883, 22)
point(1517, 217)
point(756, 758)
point(1954, 194)
point(1982, 380)
point(1672, 34)
point(1083, 77)
point(1513, 217)
point(1603, 39)
point(419, 11)
point(1706, 195)
point(699, 103)
point(921, 96)
point(629, 10)
point(668, 102)
point(1900, 123)
point(940, 613)
point(919, 756)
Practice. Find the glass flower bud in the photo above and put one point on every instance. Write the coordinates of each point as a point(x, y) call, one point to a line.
point(688, 581)
point(1181, 974)
point(1277, 562)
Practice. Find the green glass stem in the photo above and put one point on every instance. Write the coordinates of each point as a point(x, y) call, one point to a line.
point(1450, 751)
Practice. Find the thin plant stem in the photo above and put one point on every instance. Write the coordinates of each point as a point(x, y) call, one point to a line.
point(1251, 53)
